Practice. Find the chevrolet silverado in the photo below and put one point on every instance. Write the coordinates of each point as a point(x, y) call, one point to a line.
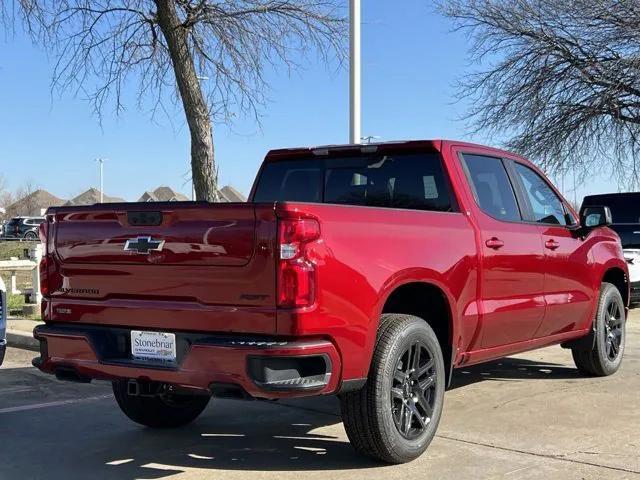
point(367, 271)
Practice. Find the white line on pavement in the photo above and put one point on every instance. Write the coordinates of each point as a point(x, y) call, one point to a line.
point(21, 408)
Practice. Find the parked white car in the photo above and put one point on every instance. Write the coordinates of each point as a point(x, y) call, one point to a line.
point(632, 256)
point(3, 320)
point(625, 212)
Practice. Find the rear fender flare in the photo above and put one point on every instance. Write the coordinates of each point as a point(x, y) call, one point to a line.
point(404, 277)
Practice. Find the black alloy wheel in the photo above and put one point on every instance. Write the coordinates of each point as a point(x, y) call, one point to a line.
point(412, 391)
point(613, 330)
point(603, 355)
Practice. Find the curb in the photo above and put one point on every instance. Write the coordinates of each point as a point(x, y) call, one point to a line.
point(23, 340)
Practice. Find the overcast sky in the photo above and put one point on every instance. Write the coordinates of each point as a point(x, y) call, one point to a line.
point(410, 63)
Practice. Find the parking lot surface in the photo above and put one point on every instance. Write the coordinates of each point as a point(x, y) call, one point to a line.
point(525, 417)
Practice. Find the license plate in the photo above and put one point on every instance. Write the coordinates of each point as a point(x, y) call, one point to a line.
point(153, 346)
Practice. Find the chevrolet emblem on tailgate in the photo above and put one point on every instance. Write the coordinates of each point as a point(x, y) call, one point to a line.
point(143, 245)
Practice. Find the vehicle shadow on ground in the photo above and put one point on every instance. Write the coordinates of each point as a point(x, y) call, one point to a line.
point(512, 369)
point(94, 440)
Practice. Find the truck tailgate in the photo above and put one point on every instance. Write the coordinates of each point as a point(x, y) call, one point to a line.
point(177, 266)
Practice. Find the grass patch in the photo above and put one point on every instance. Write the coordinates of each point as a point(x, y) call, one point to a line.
point(14, 307)
point(14, 249)
point(23, 279)
point(14, 304)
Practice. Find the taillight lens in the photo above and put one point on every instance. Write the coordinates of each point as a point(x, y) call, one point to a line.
point(44, 278)
point(296, 273)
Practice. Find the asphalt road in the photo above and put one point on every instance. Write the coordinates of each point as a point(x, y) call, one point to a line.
point(525, 417)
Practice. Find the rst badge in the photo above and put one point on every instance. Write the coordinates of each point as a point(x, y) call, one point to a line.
point(143, 245)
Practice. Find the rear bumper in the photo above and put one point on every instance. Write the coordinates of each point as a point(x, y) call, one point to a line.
point(3, 349)
point(259, 367)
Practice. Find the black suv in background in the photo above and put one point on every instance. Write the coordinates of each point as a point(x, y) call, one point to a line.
point(23, 227)
point(625, 212)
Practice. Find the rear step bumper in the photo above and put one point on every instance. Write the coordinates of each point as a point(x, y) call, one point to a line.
point(257, 367)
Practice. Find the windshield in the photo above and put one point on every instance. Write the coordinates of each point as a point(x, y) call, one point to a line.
point(412, 181)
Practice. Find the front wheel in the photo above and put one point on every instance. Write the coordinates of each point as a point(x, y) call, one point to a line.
point(610, 331)
point(395, 415)
point(162, 410)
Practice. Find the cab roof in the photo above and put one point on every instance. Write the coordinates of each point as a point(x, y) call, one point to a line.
point(436, 145)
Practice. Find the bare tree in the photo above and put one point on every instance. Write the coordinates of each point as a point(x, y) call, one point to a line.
point(6, 197)
point(170, 46)
point(26, 203)
point(560, 80)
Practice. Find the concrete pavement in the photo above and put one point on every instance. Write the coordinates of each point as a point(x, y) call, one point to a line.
point(20, 333)
point(525, 417)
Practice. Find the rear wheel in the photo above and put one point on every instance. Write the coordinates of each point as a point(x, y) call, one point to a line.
point(164, 409)
point(608, 348)
point(394, 417)
point(30, 236)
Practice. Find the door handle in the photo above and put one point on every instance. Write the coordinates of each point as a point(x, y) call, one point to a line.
point(494, 243)
point(551, 244)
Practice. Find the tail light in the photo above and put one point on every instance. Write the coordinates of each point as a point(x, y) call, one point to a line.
point(44, 278)
point(296, 273)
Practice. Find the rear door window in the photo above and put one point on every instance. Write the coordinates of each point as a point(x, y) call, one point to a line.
point(491, 187)
point(412, 181)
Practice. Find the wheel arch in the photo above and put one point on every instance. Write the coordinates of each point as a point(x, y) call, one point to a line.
point(618, 277)
point(430, 300)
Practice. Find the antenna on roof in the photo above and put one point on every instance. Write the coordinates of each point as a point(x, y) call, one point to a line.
point(369, 138)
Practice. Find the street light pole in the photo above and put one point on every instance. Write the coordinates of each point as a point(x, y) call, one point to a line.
point(101, 163)
point(354, 71)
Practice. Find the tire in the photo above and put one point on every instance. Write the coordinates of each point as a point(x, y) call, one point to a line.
point(159, 411)
point(30, 236)
point(610, 332)
point(375, 417)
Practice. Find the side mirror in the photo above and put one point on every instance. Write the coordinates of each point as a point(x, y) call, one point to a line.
point(595, 216)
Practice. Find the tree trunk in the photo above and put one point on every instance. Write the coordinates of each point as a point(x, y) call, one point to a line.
point(195, 106)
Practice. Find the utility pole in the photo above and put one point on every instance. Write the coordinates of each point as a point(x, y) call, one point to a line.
point(354, 71)
point(101, 164)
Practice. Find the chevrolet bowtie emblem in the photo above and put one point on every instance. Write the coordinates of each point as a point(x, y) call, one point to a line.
point(143, 245)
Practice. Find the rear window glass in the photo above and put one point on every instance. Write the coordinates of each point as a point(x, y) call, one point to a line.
point(624, 208)
point(411, 181)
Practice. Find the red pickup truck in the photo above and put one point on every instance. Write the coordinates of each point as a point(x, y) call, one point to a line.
point(366, 271)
